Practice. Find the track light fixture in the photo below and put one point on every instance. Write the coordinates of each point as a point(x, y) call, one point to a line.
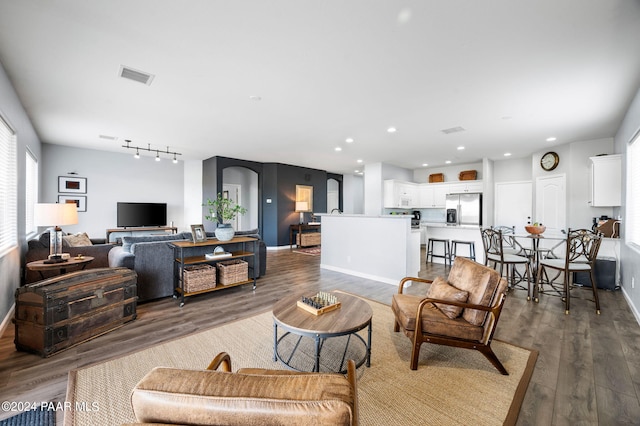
point(148, 148)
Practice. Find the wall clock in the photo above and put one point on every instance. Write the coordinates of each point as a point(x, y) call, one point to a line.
point(549, 161)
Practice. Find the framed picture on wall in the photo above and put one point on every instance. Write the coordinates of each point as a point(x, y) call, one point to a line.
point(304, 194)
point(71, 184)
point(79, 200)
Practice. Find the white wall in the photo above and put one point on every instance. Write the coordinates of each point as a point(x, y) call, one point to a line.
point(14, 114)
point(192, 194)
point(113, 177)
point(353, 194)
point(373, 189)
point(512, 170)
point(451, 173)
point(630, 264)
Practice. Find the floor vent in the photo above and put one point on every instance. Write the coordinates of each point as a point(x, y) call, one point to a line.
point(135, 75)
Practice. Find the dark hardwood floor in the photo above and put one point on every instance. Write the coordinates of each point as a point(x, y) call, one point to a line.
point(588, 370)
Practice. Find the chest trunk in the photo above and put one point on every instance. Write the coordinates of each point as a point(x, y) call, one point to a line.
point(61, 312)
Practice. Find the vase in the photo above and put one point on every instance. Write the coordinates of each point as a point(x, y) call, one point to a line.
point(224, 232)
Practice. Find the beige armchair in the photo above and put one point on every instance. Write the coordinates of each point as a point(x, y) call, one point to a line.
point(461, 311)
point(248, 397)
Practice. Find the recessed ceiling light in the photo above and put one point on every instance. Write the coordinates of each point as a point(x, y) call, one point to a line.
point(255, 98)
point(348, 140)
point(392, 130)
point(551, 139)
point(460, 148)
point(507, 154)
point(337, 148)
point(359, 160)
point(356, 171)
point(447, 162)
point(424, 164)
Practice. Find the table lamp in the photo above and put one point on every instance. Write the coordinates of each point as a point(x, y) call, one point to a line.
point(302, 206)
point(55, 215)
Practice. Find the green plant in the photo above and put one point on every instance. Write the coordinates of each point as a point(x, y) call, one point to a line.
point(223, 210)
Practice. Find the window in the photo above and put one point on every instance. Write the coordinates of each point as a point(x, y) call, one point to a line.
point(8, 189)
point(31, 192)
point(632, 228)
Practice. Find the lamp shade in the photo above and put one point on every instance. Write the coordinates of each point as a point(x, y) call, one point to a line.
point(302, 206)
point(54, 214)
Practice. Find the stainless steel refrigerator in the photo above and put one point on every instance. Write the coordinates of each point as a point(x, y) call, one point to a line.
point(464, 209)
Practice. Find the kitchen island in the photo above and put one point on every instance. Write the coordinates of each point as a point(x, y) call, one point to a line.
point(455, 232)
point(380, 248)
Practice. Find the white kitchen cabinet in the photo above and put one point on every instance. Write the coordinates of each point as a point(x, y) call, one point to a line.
point(432, 195)
point(606, 180)
point(399, 194)
point(472, 186)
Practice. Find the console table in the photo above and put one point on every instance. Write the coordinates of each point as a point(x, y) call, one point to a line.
point(182, 259)
point(299, 229)
point(173, 229)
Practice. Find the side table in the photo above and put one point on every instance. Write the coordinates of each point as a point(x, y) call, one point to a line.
point(61, 267)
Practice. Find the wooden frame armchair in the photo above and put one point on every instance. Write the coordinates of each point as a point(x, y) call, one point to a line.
point(468, 322)
point(249, 396)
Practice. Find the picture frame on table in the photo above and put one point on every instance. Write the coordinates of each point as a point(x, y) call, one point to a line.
point(72, 184)
point(198, 234)
point(79, 200)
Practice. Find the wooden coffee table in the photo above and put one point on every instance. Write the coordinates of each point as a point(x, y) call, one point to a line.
point(61, 267)
point(353, 315)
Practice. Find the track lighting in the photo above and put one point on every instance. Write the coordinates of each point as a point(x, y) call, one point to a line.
point(149, 149)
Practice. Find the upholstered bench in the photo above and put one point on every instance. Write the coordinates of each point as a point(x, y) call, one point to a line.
point(250, 396)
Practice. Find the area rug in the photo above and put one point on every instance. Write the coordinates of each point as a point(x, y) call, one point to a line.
point(312, 251)
point(451, 386)
point(39, 417)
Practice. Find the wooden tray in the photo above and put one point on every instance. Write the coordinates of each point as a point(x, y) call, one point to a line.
point(468, 175)
point(436, 177)
point(315, 311)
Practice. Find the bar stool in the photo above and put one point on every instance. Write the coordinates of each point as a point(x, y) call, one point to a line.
point(447, 254)
point(472, 249)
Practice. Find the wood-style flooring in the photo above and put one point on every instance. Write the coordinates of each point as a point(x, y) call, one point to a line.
point(588, 370)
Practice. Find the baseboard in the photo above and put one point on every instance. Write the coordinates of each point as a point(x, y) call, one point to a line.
point(385, 280)
point(631, 305)
point(278, 247)
point(7, 319)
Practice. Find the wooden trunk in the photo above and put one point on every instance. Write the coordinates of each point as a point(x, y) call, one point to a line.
point(61, 312)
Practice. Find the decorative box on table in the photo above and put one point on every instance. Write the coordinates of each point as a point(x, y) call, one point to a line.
point(199, 277)
point(232, 271)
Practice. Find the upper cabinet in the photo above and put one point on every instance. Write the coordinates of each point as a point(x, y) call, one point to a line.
point(399, 194)
point(463, 187)
point(606, 180)
point(432, 195)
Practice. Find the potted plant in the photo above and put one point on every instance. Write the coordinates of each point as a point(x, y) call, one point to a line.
point(222, 211)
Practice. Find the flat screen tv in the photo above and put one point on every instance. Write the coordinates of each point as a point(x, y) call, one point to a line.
point(141, 214)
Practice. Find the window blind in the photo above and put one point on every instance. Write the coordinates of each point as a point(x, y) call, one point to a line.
point(8, 189)
point(632, 225)
point(31, 192)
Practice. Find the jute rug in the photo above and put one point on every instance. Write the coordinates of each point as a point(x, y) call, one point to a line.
point(312, 251)
point(451, 386)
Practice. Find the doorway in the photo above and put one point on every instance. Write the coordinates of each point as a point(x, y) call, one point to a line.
point(333, 195)
point(551, 202)
point(513, 204)
point(234, 193)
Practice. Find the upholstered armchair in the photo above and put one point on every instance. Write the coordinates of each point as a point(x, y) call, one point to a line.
point(251, 396)
point(461, 311)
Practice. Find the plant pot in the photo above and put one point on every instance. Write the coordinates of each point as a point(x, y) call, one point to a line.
point(224, 232)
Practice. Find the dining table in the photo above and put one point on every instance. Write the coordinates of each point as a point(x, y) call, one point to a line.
point(536, 252)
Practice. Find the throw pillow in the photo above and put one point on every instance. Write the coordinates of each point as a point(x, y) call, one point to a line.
point(77, 240)
point(441, 289)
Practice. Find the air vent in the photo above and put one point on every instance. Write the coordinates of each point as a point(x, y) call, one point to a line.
point(453, 130)
point(135, 75)
point(107, 137)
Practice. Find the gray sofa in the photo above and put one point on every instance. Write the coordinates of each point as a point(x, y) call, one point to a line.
point(153, 260)
point(38, 249)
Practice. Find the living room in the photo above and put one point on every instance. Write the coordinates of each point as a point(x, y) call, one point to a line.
point(113, 174)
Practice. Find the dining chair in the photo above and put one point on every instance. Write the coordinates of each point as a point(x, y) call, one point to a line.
point(496, 252)
point(582, 247)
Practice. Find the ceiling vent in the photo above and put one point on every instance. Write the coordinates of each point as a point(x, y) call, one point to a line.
point(135, 75)
point(453, 130)
point(107, 137)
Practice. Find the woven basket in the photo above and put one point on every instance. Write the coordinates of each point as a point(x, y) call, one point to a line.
point(199, 277)
point(436, 177)
point(308, 239)
point(232, 271)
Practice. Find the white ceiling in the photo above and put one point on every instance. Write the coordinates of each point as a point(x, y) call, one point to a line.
point(511, 72)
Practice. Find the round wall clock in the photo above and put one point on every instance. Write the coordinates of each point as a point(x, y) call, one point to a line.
point(549, 161)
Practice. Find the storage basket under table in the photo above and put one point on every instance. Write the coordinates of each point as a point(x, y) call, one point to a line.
point(199, 277)
point(232, 271)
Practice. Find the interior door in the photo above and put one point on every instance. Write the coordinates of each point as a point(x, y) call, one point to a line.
point(551, 202)
point(513, 204)
point(233, 192)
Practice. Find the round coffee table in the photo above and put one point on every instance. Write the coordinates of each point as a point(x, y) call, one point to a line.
point(40, 265)
point(353, 315)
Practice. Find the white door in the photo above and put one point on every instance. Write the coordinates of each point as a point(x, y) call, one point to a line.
point(514, 204)
point(234, 192)
point(551, 202)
